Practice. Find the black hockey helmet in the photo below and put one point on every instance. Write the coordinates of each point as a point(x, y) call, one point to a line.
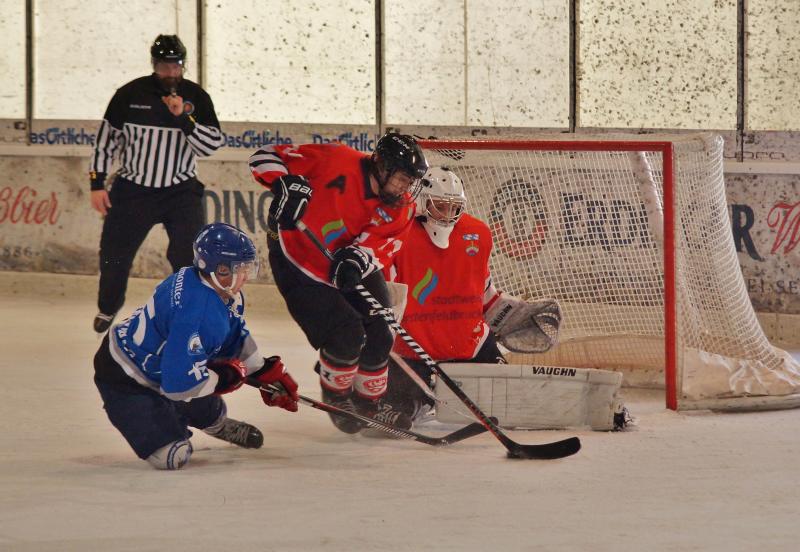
point(168, 48)
point(394, 153)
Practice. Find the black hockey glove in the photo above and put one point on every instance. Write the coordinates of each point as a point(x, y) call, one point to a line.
point(292, 193)
point(349, 265)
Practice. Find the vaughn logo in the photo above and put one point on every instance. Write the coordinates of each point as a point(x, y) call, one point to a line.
point(553, 371)
point(500, 316)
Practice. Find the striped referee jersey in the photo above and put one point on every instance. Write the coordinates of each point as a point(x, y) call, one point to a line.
point(156, 148)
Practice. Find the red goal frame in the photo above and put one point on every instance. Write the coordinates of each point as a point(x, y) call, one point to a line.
point(667, 158)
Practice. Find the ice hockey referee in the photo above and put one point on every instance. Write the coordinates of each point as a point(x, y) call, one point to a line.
point(156, 126)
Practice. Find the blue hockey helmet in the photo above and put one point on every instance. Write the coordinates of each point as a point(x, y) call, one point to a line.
point(221, 250)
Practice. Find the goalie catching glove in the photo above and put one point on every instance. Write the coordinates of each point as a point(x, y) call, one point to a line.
point(524, 327)
point(274, 374)
point(292, 194)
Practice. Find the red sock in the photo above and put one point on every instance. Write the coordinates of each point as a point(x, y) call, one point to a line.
point(338, 379)
point(371, 384)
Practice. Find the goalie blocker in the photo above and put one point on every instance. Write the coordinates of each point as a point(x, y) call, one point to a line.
point(535, 397)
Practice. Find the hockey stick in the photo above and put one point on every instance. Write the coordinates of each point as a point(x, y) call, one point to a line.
point(413, 376)
point(546, 451)
point(465, 432)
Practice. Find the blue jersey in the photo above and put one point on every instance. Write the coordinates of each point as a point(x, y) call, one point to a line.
point(165, 344)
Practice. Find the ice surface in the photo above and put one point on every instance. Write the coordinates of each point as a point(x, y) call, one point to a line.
point(696, 481)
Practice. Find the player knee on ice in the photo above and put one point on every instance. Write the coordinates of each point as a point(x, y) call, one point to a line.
point(172, 456)
point(154, 387)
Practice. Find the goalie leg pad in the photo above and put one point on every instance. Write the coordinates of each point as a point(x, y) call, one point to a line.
point(535, 397)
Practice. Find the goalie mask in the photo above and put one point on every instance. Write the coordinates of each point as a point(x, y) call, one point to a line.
point(440, 204)
point(222, 251)
point(398, 164)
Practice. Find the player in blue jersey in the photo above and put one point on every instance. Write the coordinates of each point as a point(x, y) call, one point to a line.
point(164, 368)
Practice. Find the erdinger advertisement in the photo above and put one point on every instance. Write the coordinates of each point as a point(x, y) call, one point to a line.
point(765, 221)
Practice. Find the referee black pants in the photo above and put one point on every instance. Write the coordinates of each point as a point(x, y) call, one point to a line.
point(134, 211)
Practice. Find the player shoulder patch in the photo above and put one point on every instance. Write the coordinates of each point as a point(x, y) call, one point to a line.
point(381, 217)
point(195, 346)
point(472, 243)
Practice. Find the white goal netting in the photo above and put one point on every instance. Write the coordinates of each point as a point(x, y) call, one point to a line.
point(585, 224)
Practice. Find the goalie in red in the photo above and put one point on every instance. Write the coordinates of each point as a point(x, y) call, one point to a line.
point(362, 209)
point(452, 308)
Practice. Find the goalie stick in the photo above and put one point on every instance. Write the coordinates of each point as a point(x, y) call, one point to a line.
point(546, 451)
point(460, 434)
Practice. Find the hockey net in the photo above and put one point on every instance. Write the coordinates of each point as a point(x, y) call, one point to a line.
point(583, 221)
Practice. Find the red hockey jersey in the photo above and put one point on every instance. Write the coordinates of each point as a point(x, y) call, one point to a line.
point(447, 289)
point(342, 211)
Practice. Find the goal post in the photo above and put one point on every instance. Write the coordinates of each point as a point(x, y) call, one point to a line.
point(633, 238)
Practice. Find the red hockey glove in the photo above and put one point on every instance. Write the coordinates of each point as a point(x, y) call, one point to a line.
point(231, 374)
point(274, 373)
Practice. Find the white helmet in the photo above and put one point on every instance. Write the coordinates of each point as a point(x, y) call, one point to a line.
point(440, 204)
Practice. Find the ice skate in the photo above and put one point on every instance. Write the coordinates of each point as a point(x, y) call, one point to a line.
point(102, 322)
point(238, 433)
point(344, 402)
point(385, 412)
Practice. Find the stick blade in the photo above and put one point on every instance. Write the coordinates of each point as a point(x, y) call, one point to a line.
point(549, 451)
point(475, 428)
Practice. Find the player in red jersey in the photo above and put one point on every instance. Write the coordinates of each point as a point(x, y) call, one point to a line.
point(453, 309)
point(362, 209)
